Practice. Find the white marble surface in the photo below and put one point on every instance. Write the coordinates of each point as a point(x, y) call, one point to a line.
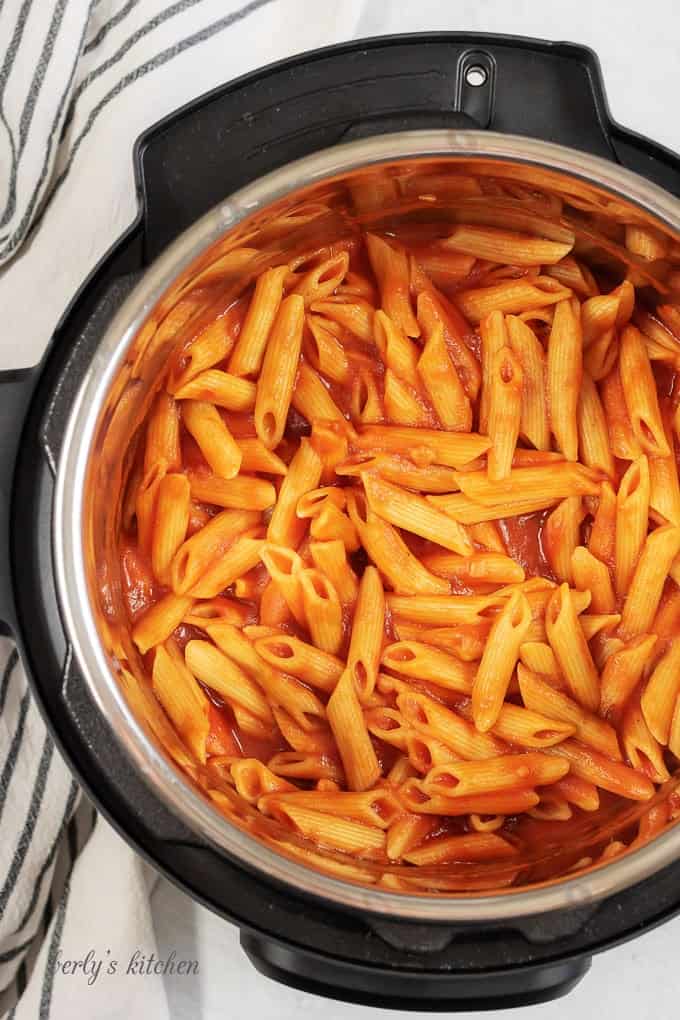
point(639, 48)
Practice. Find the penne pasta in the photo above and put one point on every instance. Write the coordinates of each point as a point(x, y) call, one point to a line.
point(279, 368)
point(533, 425)
point(632, 510)
point(593, 434)
point(571, 649)
point(304, 473)
point(363, 657)
point(424, 662)
point(291, 655)
point(529, 484)
point(498, 661)
point(496, 245)
point(351, 735)
point(414, 513)
point(639, 392)
point(622, 672)
point(241, 493)
point(661, 693)
point(589, 573)
point(442, 384)
point(506, 772)
point(505, 402)
point(588, 728)
point(330, 558)
point(221, 389)
point(246, 358)
point(214, 439)
point(660, 549)
point(561, 537)
point(171, 520)
point(390, 268)
point(323, 610)
point(565, 367)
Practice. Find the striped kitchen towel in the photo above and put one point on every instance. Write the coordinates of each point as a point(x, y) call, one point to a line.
point(79, 81)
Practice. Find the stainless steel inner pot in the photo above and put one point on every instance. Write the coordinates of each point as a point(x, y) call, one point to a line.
point(75, 529)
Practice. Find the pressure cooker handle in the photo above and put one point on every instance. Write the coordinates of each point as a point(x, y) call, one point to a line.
point(415, 988)
point(15, 392)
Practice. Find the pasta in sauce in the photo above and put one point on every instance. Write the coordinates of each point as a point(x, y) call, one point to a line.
point(400, 544)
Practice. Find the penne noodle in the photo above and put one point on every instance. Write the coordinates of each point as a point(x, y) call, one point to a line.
point(661, 693)
point(533, 426)
point(284, 567)
point(203, 550)
point(323, 610)
point(363, 657)
point(510, 297)
point(538, 657)
point(464, 641)
point(602, 540)
point(442, 384)
point(170, 523)
point(494, 337)
point(505, 802)
point(321, 281)
point(571, 649)
point(253, 780)
point(639, 391)
point(505, 402)
point(452, 449)
point(642, 750)
point(479, 568)
point(256, 457)
point(431, 718)
point(214, 439)
point(352, 313)
point(473, 846)
point(414, 513)
point(391, 555)
point(296, 765)
point(434, 309)
point(632, 512)
point(387, 725)
point(304, 473)
point(162, 435)
point(561, 537)
point(398, 353)
point(283, 691)
point(589, 573)
point(466, 511)
point(593, 434)
point(311, 398)
point(378, 807)
point(246, 358)
point(540, 696)
point(446, 610)
point(279, 368)
point(623, 442)
point(525, 728)
point(603, 772)
point(403, 406)
point(406, 833)
point(578, 791)
point(291, 655)
point(241, 493)
point(498, 661)
point(496, 245)
point(424, 752)
point(390, 268)
point(526, 484)
point(242, 556)
point(664, 489)
point(402, 471)
point(660, 549)
point(564, 378)
point(331, 524)
point(182, 699)
point(506, 772)
point(220, 388)
point(323, 350)
point(424, 662)
point(622, 672)
point(346, 719)
point(160, 620)
point(222, 675)
point(327, 830)
point(331, 559)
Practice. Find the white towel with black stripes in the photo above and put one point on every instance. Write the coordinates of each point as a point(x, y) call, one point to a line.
point(79, 81)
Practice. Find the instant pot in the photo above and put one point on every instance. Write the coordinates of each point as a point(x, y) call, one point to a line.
point(198, 173)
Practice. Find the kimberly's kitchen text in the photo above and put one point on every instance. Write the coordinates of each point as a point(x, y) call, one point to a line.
point(91, 965)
